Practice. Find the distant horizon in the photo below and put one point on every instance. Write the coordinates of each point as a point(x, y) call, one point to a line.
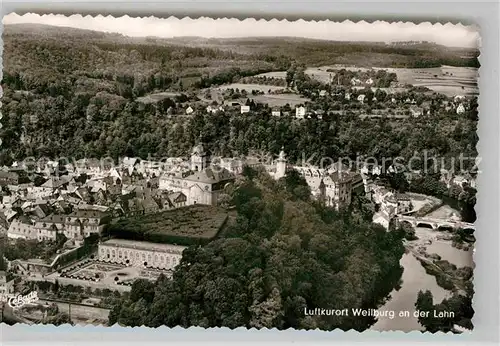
point(449, 35)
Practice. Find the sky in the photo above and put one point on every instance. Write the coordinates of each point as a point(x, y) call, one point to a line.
point(448, 34)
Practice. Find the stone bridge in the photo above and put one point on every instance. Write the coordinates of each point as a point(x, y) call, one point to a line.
point(434, 223)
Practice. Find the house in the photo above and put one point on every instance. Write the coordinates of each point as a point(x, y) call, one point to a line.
point(212, 109)
point(300, 112)
point(8, 178)
point(83, 222)
point(369, 81)
point(460, 109)
point(403, 202)
point(347, 96)
point(319, 113)
point(355, 81)
point(245, 109)
point(361, 98)
point(23, 227)
point(393, 100)
point(322, 93)
point(462, 180)
point(6, 284)
point(178, 199)
point(276, 113)
point(416, 111)
point(189, 110)
point(49, 226)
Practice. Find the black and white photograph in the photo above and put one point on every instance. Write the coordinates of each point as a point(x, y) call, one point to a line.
point(238, 173)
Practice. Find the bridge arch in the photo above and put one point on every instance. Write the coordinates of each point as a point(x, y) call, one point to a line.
point(445, 227)
point(424, 224)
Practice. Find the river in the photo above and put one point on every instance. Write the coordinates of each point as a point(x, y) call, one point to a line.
point(415, 279)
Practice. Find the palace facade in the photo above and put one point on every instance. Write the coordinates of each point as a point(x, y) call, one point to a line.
point(140, 254)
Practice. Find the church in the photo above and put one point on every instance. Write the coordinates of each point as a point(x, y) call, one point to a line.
point(202, 183)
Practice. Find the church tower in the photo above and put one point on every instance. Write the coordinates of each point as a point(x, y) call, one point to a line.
point(199, 157)
point(281, 164)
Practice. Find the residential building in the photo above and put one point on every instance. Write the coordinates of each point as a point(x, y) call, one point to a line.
point(22, 227)
point(276, 113)
point(244, 109)
point(6, 284)
point(300, 112)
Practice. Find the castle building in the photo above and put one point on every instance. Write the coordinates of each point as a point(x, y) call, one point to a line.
point(140, 254)
point(203, 184)
point(333, 186)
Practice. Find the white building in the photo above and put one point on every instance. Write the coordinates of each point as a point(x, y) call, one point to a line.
point(22, 228)
point(300, 112)
point(347, 96)
point(212, 110)
point(361, 98)
point(140, 254)
point(355, 81)
point(460, 109)
point(369, 81)
point(189, 110)
point(245, 109)
point(276, 113)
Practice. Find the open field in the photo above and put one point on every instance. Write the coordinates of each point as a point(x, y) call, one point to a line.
point(448, 80)
point(249, 87)
point(153, 98)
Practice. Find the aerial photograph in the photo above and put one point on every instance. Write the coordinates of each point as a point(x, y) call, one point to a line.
point(238, 173)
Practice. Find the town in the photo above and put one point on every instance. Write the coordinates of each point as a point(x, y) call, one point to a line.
point(229, 183)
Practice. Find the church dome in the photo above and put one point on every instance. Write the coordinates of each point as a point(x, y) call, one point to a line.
point(198, 150)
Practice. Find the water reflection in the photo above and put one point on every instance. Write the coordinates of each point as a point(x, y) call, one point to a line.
point(415, 279)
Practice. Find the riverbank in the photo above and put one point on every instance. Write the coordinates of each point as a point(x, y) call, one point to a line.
point(417, 277)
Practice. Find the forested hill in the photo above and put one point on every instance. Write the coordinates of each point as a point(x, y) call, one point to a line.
point(311, 52)
point(284, 253)
point(76, 96)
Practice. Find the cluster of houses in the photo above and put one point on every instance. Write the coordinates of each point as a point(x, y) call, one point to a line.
point(458, 104)
point(6, 286)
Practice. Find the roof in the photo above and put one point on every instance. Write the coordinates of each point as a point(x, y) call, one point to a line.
point(54, 218)
point(173, 196)
point(88, 213)
point(144, 245)
point(211, 176)
point(402, 196)
point(340, 177)
point(55, 182)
